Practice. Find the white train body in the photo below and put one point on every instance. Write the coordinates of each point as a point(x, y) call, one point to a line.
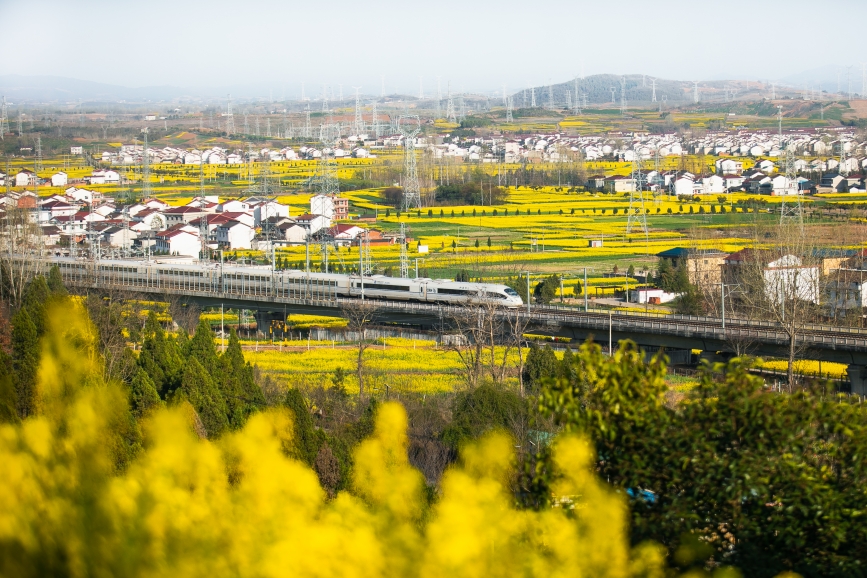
point(240, 281)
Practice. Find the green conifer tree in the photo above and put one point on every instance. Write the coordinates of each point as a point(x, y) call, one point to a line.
point(199, 389)
point(25, 361)
point(143, 394)
point(203, 349)
point(55, 282)
point(243, 397)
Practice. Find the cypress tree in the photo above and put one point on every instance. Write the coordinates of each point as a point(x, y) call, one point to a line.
point(307, 441)
point(36, 298)
point(143, 394)
point(55, 282)
point(8, 396)
point(243, 397)
point(202, 348)
point(160, 357)
point(25, 361)
point(199, 389)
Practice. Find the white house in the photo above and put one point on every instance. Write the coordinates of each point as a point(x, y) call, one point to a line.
point(59, 179)
point(765, 166)
point(235, 235)
point(178, 242)
point(116, 236)
point(322, 205)
point(152, 219)
point(685, 186)
point(292, 232)
point(848, 290)
point(25, 178)
point(268, 209)
point(713, 184)
point(729, 167)
point(313, 223)
point(80, 195)
point(786, 278)
point(234, 206)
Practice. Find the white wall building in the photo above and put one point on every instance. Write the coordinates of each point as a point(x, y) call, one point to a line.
point(787, 278)
point(235, 235)
point(59, 179)
point(178, 242)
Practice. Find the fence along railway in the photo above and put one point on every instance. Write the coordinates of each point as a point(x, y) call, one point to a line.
point(274, 294)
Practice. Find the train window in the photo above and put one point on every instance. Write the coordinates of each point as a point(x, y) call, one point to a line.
point(511, 292)
point(453, 291)
point(491, 295)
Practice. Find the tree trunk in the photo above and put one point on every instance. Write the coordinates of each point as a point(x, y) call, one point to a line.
point(791, 372)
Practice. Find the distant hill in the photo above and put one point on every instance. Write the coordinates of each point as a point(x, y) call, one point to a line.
point(18, 87)
point(638, 89)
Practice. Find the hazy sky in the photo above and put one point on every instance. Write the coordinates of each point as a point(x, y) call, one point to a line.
point(476, 45)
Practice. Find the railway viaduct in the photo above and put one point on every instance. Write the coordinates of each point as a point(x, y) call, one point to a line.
point(675, 333)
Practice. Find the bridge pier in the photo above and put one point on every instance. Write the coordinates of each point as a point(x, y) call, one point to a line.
point(264, 319)
point(675, 356)
point(858, 378)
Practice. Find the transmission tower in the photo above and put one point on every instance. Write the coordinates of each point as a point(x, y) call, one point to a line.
point(613, 99)
point(653, 88)
point(532, 97)
point(307, 122)
point(230, 118)
point(20, 124)
point(550, 96)
point(246, 125)
point(38, 153)
point(375, 121)
point(637, 214)
point(790, 210)
point(439, 97)
point(509, 109)
point(146, 168)
point(4, 120)
point(404, 258)
point(359, 121)
point(450, 107)
point(329, 134)
point(268, 126)
point(256, 123)
point(409, 127)
point(622, 95)
point(695, 92)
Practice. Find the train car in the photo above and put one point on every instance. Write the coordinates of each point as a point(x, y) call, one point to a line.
point(262, 281)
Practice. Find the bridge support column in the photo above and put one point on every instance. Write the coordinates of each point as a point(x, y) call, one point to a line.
point(675, 356)
point(263, 322)
point(858, 378)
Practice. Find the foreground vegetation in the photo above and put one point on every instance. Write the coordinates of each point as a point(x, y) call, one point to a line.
point(180, 459)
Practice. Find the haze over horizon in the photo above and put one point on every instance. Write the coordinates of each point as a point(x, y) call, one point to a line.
point(475, 47)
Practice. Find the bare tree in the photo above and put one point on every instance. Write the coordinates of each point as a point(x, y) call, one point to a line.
point(20, 251)
point(183, 312)
point(360, 314)
point(480, 326)
point(781, 281)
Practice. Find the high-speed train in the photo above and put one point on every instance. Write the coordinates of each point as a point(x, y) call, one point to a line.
point(251, 280)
